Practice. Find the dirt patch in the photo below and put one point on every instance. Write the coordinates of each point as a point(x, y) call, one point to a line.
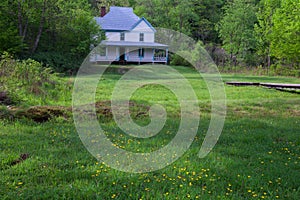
point(45, 113)
point(22, 157)
point(4, 98)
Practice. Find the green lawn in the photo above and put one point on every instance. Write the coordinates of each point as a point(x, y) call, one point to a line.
point(256, 157)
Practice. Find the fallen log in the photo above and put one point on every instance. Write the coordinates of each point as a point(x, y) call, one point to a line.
point(281, 85)
point(269, 85)
point(242, 83)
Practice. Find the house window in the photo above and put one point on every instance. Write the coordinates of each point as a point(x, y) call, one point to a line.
point(141, 37)
point(141, 52)
point(122, 36)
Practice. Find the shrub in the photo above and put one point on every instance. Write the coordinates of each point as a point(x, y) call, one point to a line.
point(178, 60)
point(28, 81)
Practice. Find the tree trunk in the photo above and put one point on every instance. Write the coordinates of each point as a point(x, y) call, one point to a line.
point(42, 22)
point(25, 30)
point(20, 26)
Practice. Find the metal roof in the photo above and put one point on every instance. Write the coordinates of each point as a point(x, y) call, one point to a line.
point(132, 44)
point(118, 18)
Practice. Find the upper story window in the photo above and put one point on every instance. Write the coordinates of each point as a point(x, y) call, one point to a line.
point(141, 37)
point(122, 36)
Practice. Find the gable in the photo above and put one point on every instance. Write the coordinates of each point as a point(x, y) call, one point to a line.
point(143, 26)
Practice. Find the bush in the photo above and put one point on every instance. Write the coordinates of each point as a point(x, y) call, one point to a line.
point(62, 63)
point(178, 60)
point(28, 81)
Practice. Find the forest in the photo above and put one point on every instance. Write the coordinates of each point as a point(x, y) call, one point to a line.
point(244, 33)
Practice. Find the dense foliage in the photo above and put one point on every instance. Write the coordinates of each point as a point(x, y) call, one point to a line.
point(27, 82)
point(58, 33)
point(235, 32)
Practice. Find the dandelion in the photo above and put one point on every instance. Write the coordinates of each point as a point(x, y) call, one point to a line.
point(113, 196)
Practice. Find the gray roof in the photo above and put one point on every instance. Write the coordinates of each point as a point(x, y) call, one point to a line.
point(132, 44)
point(118, 18)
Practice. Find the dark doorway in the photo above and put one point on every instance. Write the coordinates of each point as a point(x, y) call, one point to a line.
point(122, 54)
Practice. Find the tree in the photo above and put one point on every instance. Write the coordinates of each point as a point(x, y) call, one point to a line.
point(58, 33)
point(172, 14)
point(10, 39)
point(264, 28)
point(285, 37)
point(236, 29)
point(209, 13)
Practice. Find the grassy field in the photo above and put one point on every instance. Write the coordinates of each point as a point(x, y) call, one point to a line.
point(256, 157)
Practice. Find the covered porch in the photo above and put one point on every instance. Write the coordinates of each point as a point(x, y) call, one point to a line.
point(138, 52)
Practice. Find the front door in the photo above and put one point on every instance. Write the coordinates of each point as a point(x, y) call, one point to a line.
point(122, 54)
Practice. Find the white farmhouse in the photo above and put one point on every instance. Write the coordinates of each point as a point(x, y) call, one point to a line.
point(129, 38)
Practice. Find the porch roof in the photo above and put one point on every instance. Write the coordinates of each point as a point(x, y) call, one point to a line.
point(132, 44)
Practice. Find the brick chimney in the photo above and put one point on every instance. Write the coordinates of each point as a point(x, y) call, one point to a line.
point(103, 11)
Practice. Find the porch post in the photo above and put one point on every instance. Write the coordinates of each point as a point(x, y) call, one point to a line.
point(126, 53)
point(153, 52)
point(117, 53)
point(106, 52)
point(167, 56)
